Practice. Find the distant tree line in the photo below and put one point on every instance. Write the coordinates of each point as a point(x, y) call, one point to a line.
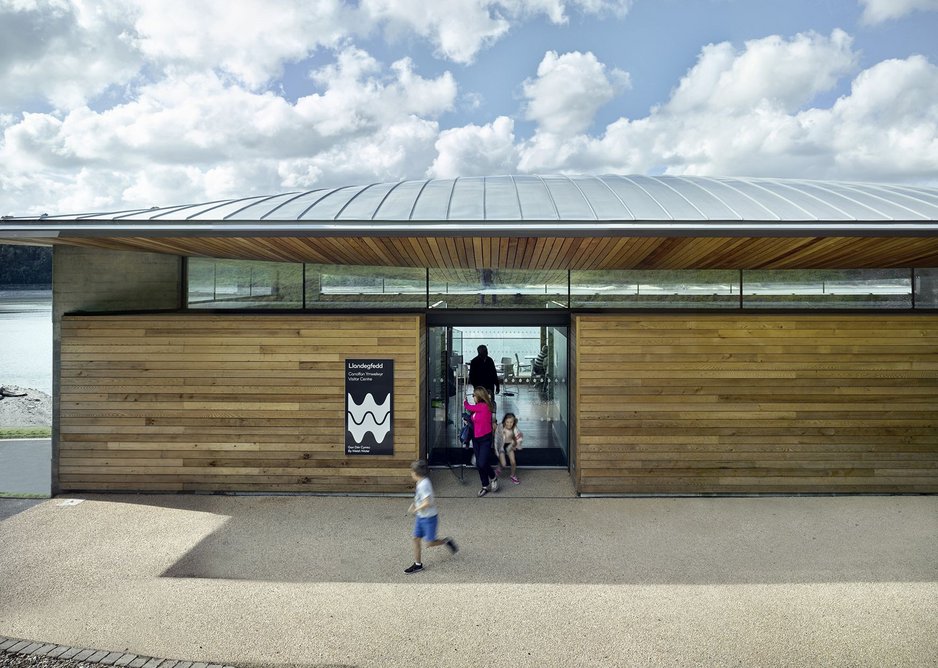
point(25, 265)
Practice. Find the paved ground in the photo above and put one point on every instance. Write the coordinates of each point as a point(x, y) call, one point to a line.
point(539, 581)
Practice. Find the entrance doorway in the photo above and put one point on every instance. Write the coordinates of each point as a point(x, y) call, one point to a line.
point(532, 365)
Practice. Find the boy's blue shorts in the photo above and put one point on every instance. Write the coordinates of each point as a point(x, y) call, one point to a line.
point(425, 527)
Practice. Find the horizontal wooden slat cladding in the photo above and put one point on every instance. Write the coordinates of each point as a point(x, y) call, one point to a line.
point(194, 402)
point(673, 404)
point(551, 253)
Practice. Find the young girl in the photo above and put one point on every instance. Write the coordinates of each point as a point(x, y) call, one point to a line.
point(507, 441)
point(482, 421)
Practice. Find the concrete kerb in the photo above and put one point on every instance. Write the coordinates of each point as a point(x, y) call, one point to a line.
point(93, 656)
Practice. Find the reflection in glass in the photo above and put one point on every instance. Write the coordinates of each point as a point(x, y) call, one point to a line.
point(556, 385)
point(347, 286)
point(244, 284)
point(704, 288)
point(827, 288)
point(497, 288)
point(926, 288)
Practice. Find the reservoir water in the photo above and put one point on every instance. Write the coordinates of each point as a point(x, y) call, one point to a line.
point(26, 361)
point(26, 339)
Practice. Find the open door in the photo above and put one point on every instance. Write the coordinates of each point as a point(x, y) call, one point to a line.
point(532, 366)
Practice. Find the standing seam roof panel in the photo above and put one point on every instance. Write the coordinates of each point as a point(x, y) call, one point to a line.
point(398, 202)
point(569, 200)
point(366, 202)
point(222, 211)
point(501, 199)
point(702, 199)
point(258, 209)
point(780, 207)
point(534, 200)
point(192, 209)
point(807, 201)
point(895, 210)
point(293, 208)
point(328, 207)
point(849, 204)
point(604, 202)
point(679, 208)
point(433, 202)
point(467, 201)
point(144, 214)
point(642, 204)
point(546, 198)
point(913, 198)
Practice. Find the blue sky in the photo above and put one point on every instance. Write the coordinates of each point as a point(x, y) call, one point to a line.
point(123, 103)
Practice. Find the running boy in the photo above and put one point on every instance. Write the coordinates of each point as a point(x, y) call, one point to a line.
point(424, 507)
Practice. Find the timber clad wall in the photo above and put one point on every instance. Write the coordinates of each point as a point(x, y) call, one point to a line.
point(751, 403)
point(222, 403)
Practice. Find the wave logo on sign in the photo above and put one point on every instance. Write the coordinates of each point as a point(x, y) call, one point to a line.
point(369, 416)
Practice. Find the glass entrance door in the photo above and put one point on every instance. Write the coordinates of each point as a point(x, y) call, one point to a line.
point(532, 366)
point(446, 379)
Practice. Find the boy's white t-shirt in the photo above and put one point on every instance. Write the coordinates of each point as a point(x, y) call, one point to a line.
point(425, 491)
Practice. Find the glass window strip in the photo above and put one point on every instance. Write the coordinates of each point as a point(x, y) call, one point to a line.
point(248, 284)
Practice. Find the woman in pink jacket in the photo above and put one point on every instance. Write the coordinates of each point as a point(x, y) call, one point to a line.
point(482, 418)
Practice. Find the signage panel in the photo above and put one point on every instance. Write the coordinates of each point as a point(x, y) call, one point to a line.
point(369, 405)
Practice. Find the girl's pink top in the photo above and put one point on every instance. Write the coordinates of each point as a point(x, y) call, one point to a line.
point(481, 418)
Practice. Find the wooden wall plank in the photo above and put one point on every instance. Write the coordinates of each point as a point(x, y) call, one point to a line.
point(181, 402)
point(796, 403)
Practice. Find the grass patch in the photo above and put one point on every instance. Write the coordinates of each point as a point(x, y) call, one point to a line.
point(25, 432)
point(17, 495)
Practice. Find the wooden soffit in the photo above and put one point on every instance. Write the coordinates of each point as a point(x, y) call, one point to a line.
point(546, 252)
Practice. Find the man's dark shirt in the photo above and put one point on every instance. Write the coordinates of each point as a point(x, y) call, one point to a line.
point(482, 373)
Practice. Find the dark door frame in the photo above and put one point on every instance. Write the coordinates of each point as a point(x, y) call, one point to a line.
point(498, 318)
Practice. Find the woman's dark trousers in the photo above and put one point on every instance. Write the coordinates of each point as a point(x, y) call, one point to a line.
point(483, 452)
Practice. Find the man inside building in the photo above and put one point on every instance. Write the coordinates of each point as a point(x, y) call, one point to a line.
point(482, 372)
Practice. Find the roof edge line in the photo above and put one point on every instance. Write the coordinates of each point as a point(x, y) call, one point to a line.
point(488, 228)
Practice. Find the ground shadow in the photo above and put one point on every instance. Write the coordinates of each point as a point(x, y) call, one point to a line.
point(571, 541)
point(13, 506)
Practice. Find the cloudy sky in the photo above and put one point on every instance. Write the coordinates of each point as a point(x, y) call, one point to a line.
point(111, 104)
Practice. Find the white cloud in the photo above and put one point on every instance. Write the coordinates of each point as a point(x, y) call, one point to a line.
point(401, 150)
point(459, 29)
point(569, 90)
point(194, 137)
point(878, 11)
point(556, 10)
point(201, 118)
point(783, 74)
point(249, 39)
point(473, 150)
point(720, 122)
point(66, 52)
point(62, 52)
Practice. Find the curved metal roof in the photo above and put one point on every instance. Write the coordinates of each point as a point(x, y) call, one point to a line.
point(535, 222)
point(565, 198)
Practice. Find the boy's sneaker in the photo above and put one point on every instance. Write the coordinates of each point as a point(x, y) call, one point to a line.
point(414, 568)
point(494, 485)
point(483, 491)
point(515, 480)
point(451, 544)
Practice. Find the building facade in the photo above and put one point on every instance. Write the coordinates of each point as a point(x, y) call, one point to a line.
point(699, 335)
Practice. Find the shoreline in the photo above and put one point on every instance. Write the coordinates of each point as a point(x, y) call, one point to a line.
point(25, 416)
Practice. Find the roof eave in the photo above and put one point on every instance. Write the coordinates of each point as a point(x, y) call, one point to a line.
point(36, 229)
